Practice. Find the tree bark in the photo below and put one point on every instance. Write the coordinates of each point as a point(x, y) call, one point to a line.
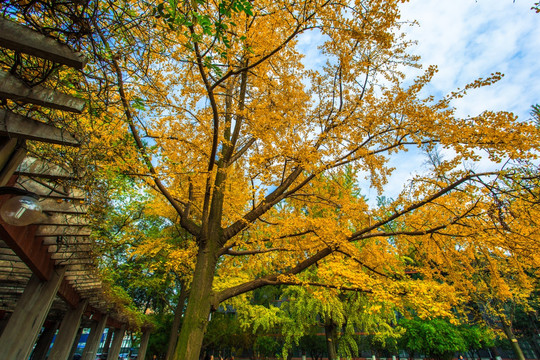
point(200, 303)
point(173, 338)
point(330, 330)
point(513, 341)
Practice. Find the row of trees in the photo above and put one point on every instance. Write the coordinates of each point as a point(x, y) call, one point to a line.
point(219, 162)
point(230, 333)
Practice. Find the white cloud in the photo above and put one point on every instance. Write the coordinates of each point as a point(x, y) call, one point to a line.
point(467, 40)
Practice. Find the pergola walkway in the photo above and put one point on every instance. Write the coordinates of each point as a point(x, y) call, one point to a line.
point(48, 277)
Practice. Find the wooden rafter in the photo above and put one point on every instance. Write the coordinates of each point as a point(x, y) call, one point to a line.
point(59, 206)
point(18, 126)
point(19, 38)
point(41, 169)
point(47, 189)
point(14, 89)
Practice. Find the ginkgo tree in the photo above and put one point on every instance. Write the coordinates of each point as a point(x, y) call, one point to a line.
point(229, 124)
point(214, 106)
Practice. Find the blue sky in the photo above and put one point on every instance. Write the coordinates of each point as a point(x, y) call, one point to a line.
point(468, 39)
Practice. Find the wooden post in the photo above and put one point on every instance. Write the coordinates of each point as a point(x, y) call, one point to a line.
point(94, 339)
point(32, 308)
point(116, 345)
point(68, 332)
point(44, 342)
point(144, 344)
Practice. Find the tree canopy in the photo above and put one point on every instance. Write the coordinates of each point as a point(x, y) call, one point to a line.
point(257, 157)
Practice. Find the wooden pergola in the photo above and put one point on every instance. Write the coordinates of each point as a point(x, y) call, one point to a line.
point(49, 282)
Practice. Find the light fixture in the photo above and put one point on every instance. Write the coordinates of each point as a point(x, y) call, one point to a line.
point(22, 209)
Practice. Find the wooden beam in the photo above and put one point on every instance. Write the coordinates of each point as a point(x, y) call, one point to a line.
point(68, 293)
point(30, 250)
point(41, 169)
point(65, 219)
point(22, 39)
point(65, 240)
point(15, 265)
point(89, 262)
point(14, 89)
point(70, 256)
point(15, 125)
point(48, 189)
point(71, 248)
point(7, 147)
point(74, 276)
point(6, 251)
point(10, 257)
point(12, 162)
point(59, 206)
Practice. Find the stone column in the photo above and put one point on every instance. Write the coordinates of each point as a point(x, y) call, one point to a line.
point(144, 344)
point(94, 338)
point(108, 339)
point(26, 321)
point(116, 345)
point(68, 332)
point(4, 318)
point(44, 341)
point(75, 343)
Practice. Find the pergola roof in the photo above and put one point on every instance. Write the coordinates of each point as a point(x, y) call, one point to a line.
point(63, 238)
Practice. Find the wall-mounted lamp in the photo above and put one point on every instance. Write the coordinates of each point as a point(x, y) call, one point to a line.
point(22, 209)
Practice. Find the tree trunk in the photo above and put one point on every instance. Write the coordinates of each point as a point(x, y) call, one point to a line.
point(513, 341)
point(198, 308)
point(173, 337)
point(330, 330)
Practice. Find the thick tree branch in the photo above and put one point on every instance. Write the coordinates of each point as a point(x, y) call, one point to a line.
point(321, 254)
point(419, 204)
point(318, 284)
point(224, 251)
point(266, 280)
point(241, 151)
point(252, 252)
point(239, 120)
point(269, 201)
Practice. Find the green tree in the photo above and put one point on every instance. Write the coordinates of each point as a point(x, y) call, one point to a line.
point(439, 339)
point(313, 345)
